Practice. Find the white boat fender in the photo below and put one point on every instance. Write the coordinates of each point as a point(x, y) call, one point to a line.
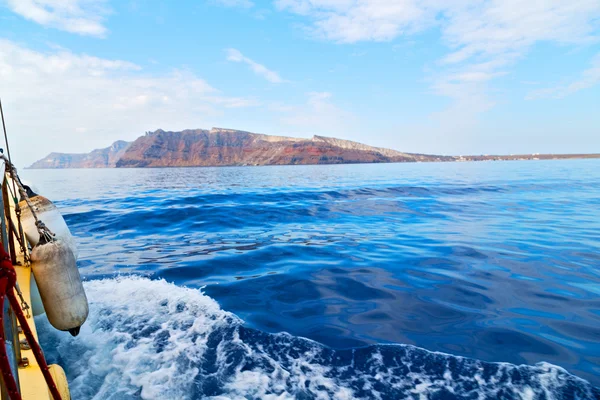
point(59, 283)
point(37, 307)
point(46, 211)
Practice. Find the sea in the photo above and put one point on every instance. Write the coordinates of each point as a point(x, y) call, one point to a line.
point(475, 280)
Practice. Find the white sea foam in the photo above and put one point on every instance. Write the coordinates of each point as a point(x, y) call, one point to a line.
point(150, 339)
point(143, 338)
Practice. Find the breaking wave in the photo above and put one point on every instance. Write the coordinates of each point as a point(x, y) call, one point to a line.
point(150, 339)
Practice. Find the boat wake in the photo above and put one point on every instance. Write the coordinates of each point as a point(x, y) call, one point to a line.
point(150, 339)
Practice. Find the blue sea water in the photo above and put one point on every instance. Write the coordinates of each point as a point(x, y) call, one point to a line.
point(380, 281)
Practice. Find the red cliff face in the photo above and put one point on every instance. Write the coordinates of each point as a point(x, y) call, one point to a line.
point(220, 147)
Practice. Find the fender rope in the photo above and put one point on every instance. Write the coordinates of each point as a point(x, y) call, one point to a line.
point(45, 233)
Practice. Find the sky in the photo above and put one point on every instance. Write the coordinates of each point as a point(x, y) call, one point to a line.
point(427, 76)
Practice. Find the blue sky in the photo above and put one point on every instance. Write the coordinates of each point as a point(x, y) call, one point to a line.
point(428, 76)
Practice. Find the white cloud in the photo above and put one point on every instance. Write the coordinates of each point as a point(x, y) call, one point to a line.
point(61, 101)
point(259, 69)
point(484, 37)
point(235, 3)
point(480, 26)
point(319, 115)
point(589, 78)
point(351, 21)
point(508, 28)
point(83, 17)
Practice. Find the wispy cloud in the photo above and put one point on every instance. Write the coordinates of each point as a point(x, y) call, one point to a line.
point(259, 69)
point(511, 27)
point(351, 21)
point(589, 78)
point(470, 27)
point(318, 115)
point(235, 3)
point(84, 17)
point(484, 38)
point(78, 100)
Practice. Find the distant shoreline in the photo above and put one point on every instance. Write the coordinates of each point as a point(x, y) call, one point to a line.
point(446, 159)
point(220, 147)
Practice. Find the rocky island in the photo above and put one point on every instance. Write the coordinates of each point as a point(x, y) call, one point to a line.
point(228, 147)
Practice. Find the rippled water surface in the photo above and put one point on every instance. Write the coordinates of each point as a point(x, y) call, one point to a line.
point(456, 264)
